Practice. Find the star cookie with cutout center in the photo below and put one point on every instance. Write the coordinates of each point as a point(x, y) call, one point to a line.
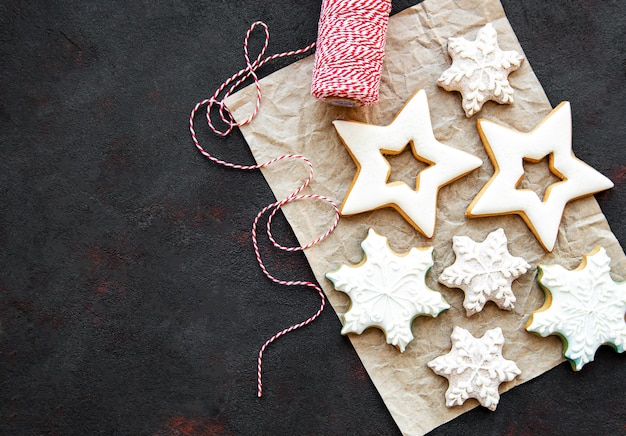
point(367, 145)
point(387, 290)
point(584, 307)
point(475, 368)
point(507, 150)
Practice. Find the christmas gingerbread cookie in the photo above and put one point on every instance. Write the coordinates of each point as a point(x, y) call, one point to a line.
point(475, 368)
point(367, 144)
point(507, 150)
point(584, 307)
point(484, 271)
point(480, 70)
point(387, 290)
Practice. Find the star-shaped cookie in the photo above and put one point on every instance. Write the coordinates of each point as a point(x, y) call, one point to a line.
point(484, 271)
point(387, 290)
point(584, 307)
point(508, 148)
point(475, 368)
point(368, 143)
point(480, 70)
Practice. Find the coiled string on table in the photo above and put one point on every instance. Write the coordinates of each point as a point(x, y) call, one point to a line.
point(225, 115)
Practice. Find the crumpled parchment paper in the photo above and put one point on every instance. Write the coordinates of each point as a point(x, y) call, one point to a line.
point(291, 121)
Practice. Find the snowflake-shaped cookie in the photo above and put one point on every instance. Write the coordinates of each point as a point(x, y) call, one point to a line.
point(387, 290)
point(480, 70)
point(475, 368)
point(585, 307)
point(484, 271)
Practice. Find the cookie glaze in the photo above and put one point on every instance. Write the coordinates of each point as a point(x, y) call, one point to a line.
point(367, 145)
point(584, 307)
point(508, 148)
point(475, 368)
point(387, 290)
point(484, 271)
point(480, 70)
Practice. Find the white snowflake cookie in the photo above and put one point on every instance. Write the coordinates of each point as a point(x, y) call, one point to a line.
point(480, 70)
point(484, 271)
point(387, 290)
point(584, 307)
point(475, 368)
point(371, 189)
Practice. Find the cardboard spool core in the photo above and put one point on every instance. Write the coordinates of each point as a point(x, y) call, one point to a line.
point(344, 102)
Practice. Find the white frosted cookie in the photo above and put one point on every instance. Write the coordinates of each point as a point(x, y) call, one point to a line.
point(484, 271)
point(475, 368)
point(387, 290)
point(584, 307)
point(367, 145)
point(508, 148)
point(480, 70)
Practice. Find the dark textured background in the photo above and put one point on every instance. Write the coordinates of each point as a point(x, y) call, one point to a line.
point(130, 301)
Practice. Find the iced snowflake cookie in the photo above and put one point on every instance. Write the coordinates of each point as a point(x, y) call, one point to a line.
point(507, 150)
point(584, 307)
point(484, 271)
point(480, 70)
point(475, 368)
point(412, 127)
point(387, 290)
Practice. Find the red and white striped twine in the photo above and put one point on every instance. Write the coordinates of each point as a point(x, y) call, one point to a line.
point(225, 115)
point(350, 51)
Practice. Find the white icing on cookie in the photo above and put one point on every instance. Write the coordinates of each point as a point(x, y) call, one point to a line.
point(367, 143)
point(585, 307)
point(387, 290)
point(484, 271)
point(480, 70)
point(507, 149)
point(475, 368)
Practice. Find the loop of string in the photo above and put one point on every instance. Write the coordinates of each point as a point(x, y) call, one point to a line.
point(238, 78)
point(232, 83)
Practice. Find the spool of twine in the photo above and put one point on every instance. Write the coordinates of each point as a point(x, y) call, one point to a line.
point(350, 51)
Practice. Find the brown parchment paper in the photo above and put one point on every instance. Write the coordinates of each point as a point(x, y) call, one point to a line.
point(291, 121)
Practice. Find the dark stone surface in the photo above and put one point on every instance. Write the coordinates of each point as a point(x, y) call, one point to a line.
point(130, 301)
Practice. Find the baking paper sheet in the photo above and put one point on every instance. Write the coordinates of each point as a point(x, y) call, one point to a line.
point(291, 121)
